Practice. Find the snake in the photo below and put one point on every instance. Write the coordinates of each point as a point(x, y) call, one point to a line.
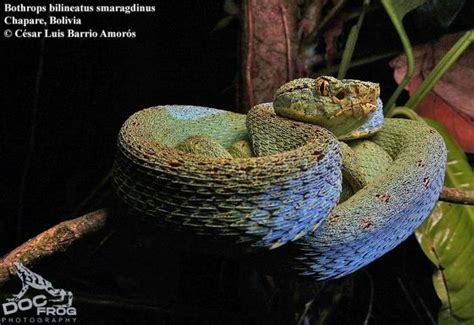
point(318, 170)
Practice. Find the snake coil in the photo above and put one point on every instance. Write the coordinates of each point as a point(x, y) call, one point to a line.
point(264, 201)
point(289, 191)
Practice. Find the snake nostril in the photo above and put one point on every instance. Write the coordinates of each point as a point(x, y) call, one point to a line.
point(341, 95)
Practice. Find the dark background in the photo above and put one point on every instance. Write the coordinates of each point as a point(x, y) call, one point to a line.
point(71, 96)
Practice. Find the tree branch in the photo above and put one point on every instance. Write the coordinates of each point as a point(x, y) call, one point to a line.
point(61, 236)
point(57, 238)
point(249, 89)
point(455, 195)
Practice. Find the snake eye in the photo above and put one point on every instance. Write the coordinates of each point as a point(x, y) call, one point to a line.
point(322, 87)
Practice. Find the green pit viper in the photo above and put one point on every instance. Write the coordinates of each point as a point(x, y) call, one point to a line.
point(275, 175)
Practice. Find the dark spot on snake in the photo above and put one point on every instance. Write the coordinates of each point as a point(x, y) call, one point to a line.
point(426, 181)
point(333, 218)
point(175, 163)
point(303, 168)
point(367, 223)
point(318, 154)
point(420, 163)
point(385, 198)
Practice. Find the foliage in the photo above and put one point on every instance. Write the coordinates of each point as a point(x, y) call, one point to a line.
point(351, 42)
point(443, 11)
point(453, 54)
point(396, 10)
point(447, 236)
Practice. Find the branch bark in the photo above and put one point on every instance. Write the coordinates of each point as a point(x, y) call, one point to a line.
point(62, 236)
point(269, 49)
point(57, 238)
point(455, 195)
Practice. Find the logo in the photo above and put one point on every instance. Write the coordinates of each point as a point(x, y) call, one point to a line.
point(53, 303)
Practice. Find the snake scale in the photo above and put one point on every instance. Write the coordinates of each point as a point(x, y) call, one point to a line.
point(189, 169)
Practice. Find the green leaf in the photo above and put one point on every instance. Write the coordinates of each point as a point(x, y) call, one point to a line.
point(223, 23)
point(447, 239)
point(231, 8)
point(351, 42)
point(443, 11)
point(448, 59)
point(405, 112)
point(396, 10)
point(402, 7)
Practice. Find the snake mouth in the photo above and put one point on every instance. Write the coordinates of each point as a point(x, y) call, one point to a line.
point(361, 110)
point(347, 117)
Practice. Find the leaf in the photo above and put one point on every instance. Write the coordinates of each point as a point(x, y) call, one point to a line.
point(223, 23)
point(396, 10)
point(232, 11)
point(441, 88)
point(402, 7)
point(231, 8)
point(443, 11)
point(447, 239)
point(351, 42)
point(449, 58)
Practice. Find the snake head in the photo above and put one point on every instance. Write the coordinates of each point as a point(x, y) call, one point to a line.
point(338, 105)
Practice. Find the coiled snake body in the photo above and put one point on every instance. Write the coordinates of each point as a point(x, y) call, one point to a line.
point(173, 166)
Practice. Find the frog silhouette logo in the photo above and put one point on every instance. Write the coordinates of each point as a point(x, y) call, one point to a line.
point(58, 302)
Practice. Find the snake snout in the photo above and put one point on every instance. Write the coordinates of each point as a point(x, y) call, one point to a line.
point(368, 109)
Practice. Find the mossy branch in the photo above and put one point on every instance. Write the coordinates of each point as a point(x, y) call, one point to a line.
point(457, 196)
point(56, 239)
